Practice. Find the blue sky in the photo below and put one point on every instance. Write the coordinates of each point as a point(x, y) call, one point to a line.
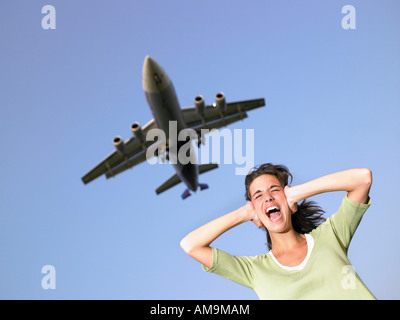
point(332, 103)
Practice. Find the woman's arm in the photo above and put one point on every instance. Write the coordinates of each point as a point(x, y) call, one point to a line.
point(197, 243)
point(356, 182)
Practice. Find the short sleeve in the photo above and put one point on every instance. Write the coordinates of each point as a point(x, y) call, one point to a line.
point(236, 268)
point(346, 220)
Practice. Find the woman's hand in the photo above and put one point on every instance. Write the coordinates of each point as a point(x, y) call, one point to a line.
point(197, 243)
point(251, 214)
point(290, 199)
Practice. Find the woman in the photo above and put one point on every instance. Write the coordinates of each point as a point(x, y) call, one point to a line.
point(307, 258)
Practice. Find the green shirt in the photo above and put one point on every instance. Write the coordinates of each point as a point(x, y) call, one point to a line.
point(326, 272)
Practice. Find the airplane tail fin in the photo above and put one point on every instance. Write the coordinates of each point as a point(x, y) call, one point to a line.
point(186, 194)
point(204, 168)
point(203, 186)
point(174, 180)
point(207, 167)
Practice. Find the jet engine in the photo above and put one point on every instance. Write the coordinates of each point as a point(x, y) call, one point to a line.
point(199, 104)
point(119, 145)
point(137, 131)
point(220, 101)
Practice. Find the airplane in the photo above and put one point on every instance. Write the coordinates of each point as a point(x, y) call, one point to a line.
point(165, 107)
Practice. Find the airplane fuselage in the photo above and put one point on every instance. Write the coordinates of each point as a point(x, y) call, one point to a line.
point(164, 105)
point(176, 129)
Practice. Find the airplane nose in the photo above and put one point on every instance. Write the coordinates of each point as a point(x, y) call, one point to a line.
point(154, 77)
point(148, 64)
point(148, 67)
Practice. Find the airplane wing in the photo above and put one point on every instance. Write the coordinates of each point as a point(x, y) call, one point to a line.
point(135, 153)
point(116, 162)
point(213, 119)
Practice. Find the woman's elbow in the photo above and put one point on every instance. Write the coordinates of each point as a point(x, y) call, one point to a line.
point(366, 175)
point(185, 245)
point(361, 184)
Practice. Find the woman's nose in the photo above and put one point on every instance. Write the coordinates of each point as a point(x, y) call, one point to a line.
point(268, 197)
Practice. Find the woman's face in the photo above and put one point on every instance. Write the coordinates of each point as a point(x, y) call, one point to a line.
point(269, 200)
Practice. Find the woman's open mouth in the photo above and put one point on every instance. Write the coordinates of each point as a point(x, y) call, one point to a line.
point(273, 213)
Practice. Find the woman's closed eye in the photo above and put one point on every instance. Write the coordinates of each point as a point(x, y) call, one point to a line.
point(258, 195)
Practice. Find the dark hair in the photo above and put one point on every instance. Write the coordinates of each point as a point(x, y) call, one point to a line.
point(308, 215)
